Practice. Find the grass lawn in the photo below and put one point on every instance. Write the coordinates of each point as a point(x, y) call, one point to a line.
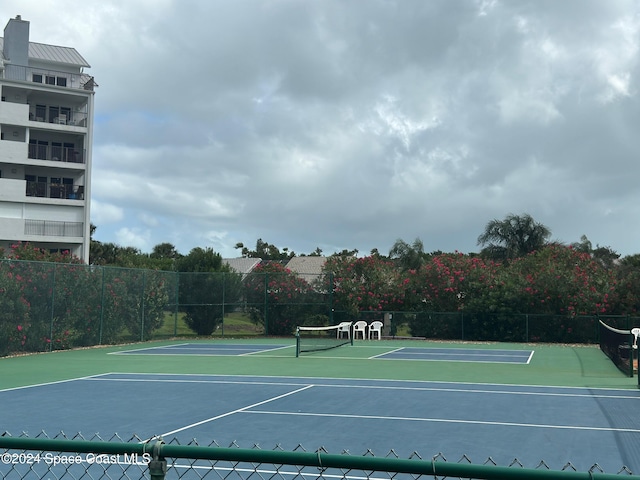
point(235, 323)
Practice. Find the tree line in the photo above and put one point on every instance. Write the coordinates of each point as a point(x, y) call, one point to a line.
point(518, 270)
point(505, 239)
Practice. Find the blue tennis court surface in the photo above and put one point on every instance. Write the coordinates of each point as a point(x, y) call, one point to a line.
point(204, 349)
point(531, 423)
point(459, 355)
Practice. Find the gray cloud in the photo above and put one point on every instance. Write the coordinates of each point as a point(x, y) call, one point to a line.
point(351, 124)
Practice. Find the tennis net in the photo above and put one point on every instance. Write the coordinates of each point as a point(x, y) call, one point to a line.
point(313, 339)
point(619, 346)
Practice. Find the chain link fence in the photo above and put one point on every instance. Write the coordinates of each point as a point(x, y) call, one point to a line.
point(55, 306)
point(66, 457)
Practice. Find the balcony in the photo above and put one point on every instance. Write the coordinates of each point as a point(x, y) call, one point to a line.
point(78, 81)
point(55, 153)
point(55, 190)
point(13, 113)
point(57, 115)
point(50, 228)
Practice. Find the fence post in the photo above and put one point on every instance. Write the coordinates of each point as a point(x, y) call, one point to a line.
point(53, 306)
point(331, 309)
point(224, 284)
point(144, 286)
point(158, 464)
point(104, 272)
point(176, 294)
point(266, 304)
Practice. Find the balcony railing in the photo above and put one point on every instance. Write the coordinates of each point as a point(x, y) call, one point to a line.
point(79, 81)
point(78, 119)
point(55, 153)
point(55, 190)
point(52, 228)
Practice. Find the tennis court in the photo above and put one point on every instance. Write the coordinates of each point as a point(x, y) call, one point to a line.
point(461, 354)
point(503, 402)
point(205, 349)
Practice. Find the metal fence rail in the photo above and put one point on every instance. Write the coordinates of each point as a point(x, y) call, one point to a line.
point(23, 457)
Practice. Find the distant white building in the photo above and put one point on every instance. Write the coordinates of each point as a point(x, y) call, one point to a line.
point(46, 131)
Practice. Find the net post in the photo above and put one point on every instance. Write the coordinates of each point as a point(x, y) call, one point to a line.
point(631, 354)
point(297, 342)
point(635, 358)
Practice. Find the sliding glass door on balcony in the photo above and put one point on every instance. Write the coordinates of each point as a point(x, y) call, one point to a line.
point(56, 151)
point(36, 186)
point(38, 149)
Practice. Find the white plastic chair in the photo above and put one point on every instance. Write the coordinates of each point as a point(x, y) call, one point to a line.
point(375, 330)
point(360, 327)
point(344, 327)
point(636, 333)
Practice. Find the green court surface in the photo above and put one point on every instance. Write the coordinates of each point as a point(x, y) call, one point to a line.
point(551, 365)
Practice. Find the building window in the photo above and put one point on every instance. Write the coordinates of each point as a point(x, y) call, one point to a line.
point(69, 153)
point(50, 79)
point(36, 186)
point(56, 151)
point(56, 190)
point(37, 78)
point(61, 81)
point(67, 187)
point(53, 114)
point(41, 113)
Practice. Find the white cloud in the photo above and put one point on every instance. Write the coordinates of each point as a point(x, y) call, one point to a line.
point(134, 237)
point(104, 213)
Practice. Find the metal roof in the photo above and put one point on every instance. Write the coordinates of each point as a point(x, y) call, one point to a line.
point(52, 54)
point(242, 265)
point(309, 267)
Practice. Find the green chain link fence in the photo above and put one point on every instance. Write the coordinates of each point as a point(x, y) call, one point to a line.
point(76, 458)
point(55, 306)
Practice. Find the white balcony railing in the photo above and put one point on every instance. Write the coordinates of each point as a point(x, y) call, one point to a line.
point(80, 81)
point(51, 228)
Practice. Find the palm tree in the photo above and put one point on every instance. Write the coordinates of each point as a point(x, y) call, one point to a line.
point(165, 251)
point(606, 256)
point(513, 237)
point(409, 257)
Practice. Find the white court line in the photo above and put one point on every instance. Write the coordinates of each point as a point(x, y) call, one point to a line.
point(530, 357)
point(374, 387)
point(387, 353)
point(448, 420)
point(449, 360)
point(266, 350)
point(423, 355)
point(44, 384)
point(216, 350)
point(148, 348)
point(514, 353)
point(236, 411)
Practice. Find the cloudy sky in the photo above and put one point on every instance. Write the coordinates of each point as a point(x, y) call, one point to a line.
point(348, 124)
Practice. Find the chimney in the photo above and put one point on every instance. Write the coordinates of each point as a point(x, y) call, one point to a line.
point(16, 41)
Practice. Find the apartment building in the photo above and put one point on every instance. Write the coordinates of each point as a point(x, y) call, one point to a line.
point(46, 131)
